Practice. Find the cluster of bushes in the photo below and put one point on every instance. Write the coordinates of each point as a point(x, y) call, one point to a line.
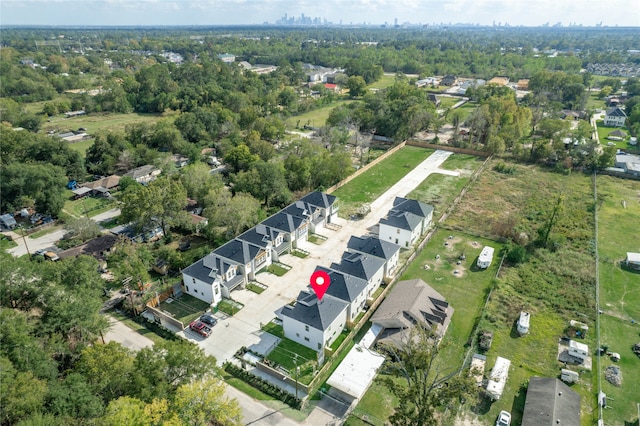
point(263, 385)
point(161, 331)
point(504, 168)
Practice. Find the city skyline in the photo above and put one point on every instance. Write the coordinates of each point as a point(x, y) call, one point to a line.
point(346, 12)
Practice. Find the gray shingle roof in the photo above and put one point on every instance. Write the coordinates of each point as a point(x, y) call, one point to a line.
point(238, 251)
point(343, 286)
point(316, 314)
point(402, 220)
point(359, 265)
point(140, 171)
point(412, 206)
point(550, 402)
point(319, 199)
point(616, 112)
point(284, 222)
point(373, 246)
point(200, 272)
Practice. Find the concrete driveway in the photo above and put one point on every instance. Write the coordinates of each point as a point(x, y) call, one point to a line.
point(243, 329)
point(130, 339)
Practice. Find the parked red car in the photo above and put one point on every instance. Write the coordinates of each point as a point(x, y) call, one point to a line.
point(200, 328)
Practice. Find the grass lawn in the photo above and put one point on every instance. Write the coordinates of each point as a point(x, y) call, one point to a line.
point(255, 288)
point(82, 146)
point(6, 243)
point(138, 328)
point(375, 181)
point(384, 82)
point(375, 407)
point(619, 291)
point(274, 329)
point(466, 111)
point(603, 132)
point(276, 269)
point(229, 307)
point(90, 206)
point(44, 232)
point(594, 102)
point(315, 118)
point(185, 309)
point(104, 122)
point(299, 253)
point(290, 354)
point(447, 102)
point(440, 190)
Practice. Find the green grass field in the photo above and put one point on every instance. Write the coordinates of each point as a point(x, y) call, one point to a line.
point(383, 83)
point(375, 181)
point(466, 111)
point(619, 291)
point(186, 309)
point(604, 131)
point(594, 102)
point(90, 206)
point(81, 147)
point(104, 122)
point(315, 118)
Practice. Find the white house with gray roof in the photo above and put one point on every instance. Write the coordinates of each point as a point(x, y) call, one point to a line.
point(347, 288)
point(376, 247)
point(366, 267)
point(314, 323)
point(615, 117)
point(406, 222)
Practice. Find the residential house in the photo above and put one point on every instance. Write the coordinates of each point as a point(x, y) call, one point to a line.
point(347, 288)
point(523, 84)
point(179, 160)
point(294, 228)
point(550, 402)
point(568, 114)
point(198, 222)
point(500, 81)
point(628, 163)
point(314, 323)
point(409, 303)
point(227, 58)
point(615, 117)
point(449, 80)
point(269, 239)
point(249, 258)
point(98, 248)
point(205, 278)
point(369, 268)
point(376, 247)
point(326, 204)
point(7, 221)
point(406, 222)
point(101, 186)
point(633, 260)
point(144, 174)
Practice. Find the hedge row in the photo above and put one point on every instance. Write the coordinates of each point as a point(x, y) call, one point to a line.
point(263, 385)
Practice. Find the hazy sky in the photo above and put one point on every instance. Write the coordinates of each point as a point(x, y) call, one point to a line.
point(238, 12)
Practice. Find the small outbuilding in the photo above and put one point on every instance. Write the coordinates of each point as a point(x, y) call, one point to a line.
point(7, 221)
point(633, 260)
point(523, 323)
point(578, 350)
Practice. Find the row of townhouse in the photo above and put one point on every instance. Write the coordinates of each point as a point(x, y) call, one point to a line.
point(235, 263)
point(367, 262)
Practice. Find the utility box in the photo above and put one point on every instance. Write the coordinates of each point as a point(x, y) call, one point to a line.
point(569, 376)
point(578, 350)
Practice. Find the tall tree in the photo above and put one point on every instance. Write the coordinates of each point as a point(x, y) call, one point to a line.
point(203, 402)
point(429, 380)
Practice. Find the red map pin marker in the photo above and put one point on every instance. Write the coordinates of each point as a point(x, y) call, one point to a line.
point(320, 283)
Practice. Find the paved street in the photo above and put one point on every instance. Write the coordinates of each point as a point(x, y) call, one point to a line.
point(128, 338)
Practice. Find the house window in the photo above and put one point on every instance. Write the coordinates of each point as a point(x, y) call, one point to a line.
point(319, 346)
point(217, 290)
point(297, 334)
point(261, 259)
point(187, 289)
point(397, 231)
point(406, 244)
point(306, 339)
point(396, 240)
point(194, 280)
point(306, 328)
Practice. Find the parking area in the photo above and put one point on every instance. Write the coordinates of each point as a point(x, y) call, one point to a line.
point(243, 329)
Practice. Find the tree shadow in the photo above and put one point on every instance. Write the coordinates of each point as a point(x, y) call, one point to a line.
point(517, 407)
point(484, 404)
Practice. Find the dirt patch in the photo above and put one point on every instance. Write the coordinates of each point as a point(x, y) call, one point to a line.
point(467, 421)
point(459, 271)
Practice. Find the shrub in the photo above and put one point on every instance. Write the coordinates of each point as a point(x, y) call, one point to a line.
point(503, 168)
point(263, 385)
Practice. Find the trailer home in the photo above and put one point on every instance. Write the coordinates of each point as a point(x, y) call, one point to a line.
point(523, 323)
point(578, 350)
point(498, 378)
point(485, 258)
point(569, 376)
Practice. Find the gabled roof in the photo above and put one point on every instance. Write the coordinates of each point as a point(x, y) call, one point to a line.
point(402, 220)
point(199, 271)
point(238, 251)
point(284, 222)
point(319, 199)
point(410, 301)
point(616, 112)
point(343, 286)
point(373, 246)
point(141, 171)
point(358, 265)
point(300, 209)
point(106, 183)
point(412, 206)
point(314, 313)
point(550, 402)
point(95, 247)
point(260, 235)
point(8, 220)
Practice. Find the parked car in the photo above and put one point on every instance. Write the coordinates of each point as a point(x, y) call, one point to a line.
point(504, 418)
point(209, 320)
point(200, 328)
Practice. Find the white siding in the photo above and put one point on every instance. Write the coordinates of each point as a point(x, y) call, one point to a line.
point(209, 293)
point(397, 236)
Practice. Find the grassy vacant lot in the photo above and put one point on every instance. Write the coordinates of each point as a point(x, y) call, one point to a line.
point(315, 118)
point(185, 309)
point(466, 111)
point(619, 290)
point(465, 291)
point(103, 122)
point(375, 181)
point(447, 102)
point(594, 102)
point(81, 147)
point(440, 190)
point(386, 81)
